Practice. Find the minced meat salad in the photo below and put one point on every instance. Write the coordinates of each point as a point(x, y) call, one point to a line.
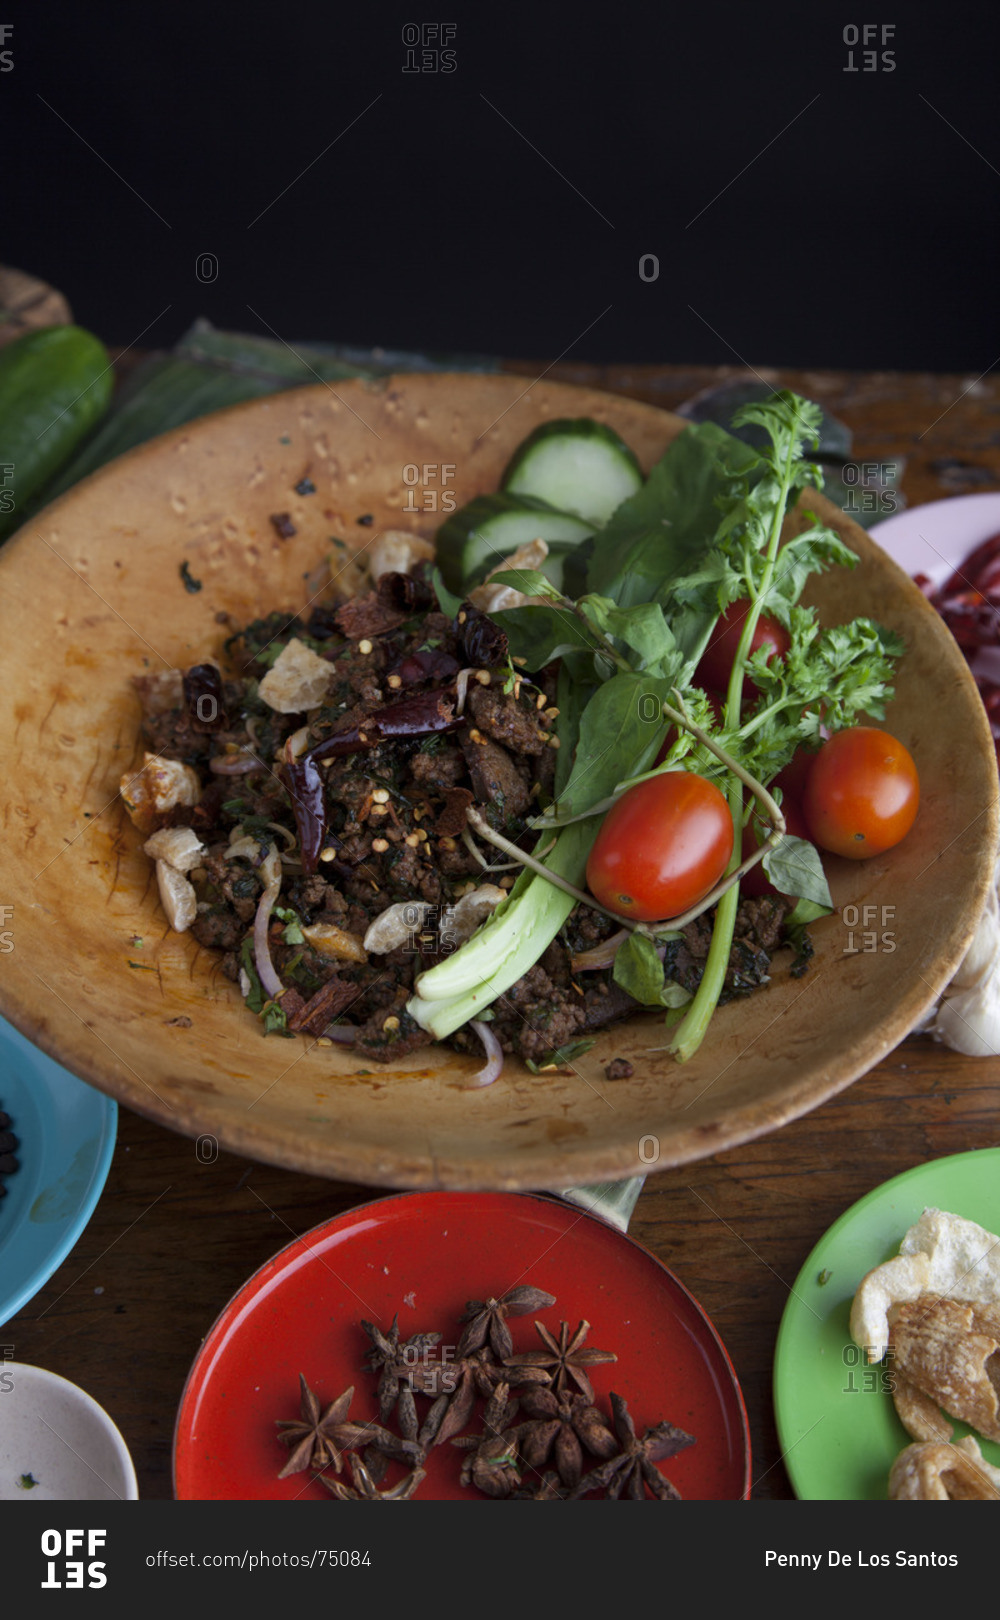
point(307, 816)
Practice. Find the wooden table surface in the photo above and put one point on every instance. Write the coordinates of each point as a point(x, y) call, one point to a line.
point(173, 1238)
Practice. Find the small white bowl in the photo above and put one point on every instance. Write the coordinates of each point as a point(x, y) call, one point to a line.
point(56, 1443)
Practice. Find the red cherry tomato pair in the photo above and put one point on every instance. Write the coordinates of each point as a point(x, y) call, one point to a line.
point(667, 842)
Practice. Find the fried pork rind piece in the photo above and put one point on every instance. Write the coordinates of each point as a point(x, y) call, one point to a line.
point(920, 1416)
point(490, 598)
point(396, 551)
point(299, 679)
point(939, 1472)
point(950, 1352)
point(159, 786)
point(943, 1254)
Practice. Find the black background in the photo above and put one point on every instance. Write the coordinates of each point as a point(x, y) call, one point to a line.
point(861, 232)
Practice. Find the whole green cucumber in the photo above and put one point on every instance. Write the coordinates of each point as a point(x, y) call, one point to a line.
point(55, 384)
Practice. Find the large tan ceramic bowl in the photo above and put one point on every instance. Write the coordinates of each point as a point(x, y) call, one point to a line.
point(92, 593)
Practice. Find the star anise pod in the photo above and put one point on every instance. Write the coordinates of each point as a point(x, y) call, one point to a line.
point(485, 1319)
point(564, 1359)
point(317, 1438)
point(402, 1363)
point(548, 1489)
point(491, 1457)
point(365, 1488)
point(634, 1467)
point(562, 1426)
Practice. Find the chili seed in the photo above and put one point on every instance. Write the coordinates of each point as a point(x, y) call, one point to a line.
point(380, 845)
point(364, 648)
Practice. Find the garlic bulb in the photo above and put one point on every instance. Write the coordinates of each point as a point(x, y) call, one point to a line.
point(968, 1016)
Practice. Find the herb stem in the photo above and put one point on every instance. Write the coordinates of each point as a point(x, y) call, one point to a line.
point(692, 1030)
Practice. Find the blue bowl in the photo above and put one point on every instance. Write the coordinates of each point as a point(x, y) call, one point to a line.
point(66, 1138)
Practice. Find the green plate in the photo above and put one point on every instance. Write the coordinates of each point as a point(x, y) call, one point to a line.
point(837, 1425)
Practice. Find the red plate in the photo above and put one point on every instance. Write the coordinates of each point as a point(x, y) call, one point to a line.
point(424, 1255)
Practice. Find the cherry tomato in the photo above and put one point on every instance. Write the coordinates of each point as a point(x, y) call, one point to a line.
point(756, 882)
point(862, 794)
point(717, 659)
point(793, 777)
point(661, 848)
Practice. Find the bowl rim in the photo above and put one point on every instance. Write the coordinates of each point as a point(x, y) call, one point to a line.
point(81, 1398)
point(72, 1227)
point(591, 1162)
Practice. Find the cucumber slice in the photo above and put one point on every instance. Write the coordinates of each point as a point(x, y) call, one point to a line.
point(575, 465)
point(478, 536)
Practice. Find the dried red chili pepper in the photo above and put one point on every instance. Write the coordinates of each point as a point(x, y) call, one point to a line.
point(204, 699)
point(423, 715)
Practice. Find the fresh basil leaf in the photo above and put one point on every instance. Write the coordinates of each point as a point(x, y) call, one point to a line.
point(795, 868)
point(620, 732)
point(540, 634)
point(664, 529)
point(674, 996)
point(642, 628)
point(572, 697)
point(526, 580)
point(638, 970)
point(805, 912)
point(448, 602)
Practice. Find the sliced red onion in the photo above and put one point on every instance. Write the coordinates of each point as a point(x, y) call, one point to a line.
point(343, 1034)
point(266, 971)
point(493, 1066)
point(462, 680)
point(234, 765)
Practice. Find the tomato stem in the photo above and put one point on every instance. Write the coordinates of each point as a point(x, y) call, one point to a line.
point(733, 876)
